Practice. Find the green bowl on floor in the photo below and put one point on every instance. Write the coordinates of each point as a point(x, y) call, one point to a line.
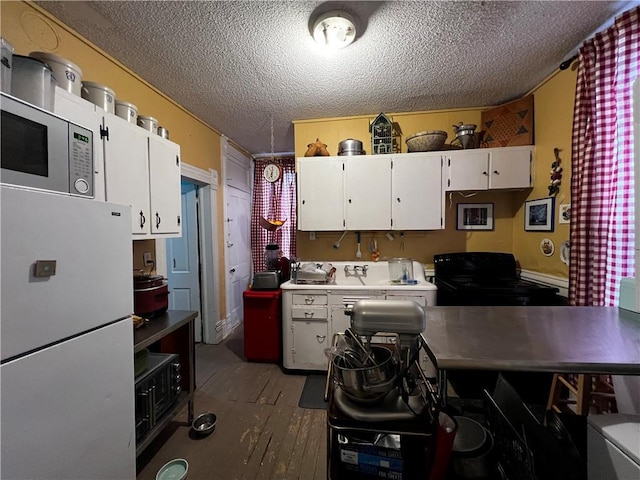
point(174, 470)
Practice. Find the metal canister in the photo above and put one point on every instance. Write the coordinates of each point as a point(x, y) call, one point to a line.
point(163, 132)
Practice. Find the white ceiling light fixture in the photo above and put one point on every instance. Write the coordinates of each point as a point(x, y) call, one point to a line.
point(334, 29)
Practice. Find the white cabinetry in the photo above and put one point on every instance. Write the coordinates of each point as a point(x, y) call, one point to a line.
point(320, 194)
point(311, 316)
point(489, 169)
point(132, 167)
point(306, 333)
point(370, 192)
point(416, 192)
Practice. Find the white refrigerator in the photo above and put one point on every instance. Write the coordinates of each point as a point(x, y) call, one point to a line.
point(66, 336)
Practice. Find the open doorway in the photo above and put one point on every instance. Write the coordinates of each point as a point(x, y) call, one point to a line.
point(191, 261)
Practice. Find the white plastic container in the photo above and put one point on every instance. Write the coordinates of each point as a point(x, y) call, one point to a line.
point(33, 82)
point(148, 123)
point(7, 59)
point(99, 95)
point(127, 110)
point(68, 74)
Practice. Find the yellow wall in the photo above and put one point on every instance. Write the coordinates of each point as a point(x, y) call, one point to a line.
point(553, 117)
point(553, 107)
point(29, 28)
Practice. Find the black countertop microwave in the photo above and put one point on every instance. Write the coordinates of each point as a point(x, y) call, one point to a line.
point(43, 151)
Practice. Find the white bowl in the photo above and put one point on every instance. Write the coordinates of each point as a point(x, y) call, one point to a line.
point(426, 141)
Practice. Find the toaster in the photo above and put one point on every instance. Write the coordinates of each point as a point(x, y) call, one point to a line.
point(267, 280)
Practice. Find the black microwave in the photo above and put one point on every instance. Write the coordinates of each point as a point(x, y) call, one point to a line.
point(43, 151)
point(157, 389)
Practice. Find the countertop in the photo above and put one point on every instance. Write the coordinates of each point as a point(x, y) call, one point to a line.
point(160, 326)
point(552, 339)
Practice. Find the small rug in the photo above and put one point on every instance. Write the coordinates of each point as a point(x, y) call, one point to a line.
point(313, 392)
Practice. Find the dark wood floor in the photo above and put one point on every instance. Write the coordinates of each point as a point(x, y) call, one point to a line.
point(261, 432)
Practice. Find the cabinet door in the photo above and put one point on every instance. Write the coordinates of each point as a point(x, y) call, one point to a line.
point(510, 167)
point(82, 112)
point(416, 192)
point(368, 192)
point(309, 341)
point(127, 170)
point(164, 186)
point(320, 193)
point(468, 170)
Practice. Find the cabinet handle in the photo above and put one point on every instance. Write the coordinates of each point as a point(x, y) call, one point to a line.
point(398, 199)
point(496, 172)
point(320, 338)
point(229, 244)
point(232, 271)
point(157, 220)
point(308, 314)
point(349, 200)
point(308, 300)
point(143, 220)
point(485, 173)
point(174, 263)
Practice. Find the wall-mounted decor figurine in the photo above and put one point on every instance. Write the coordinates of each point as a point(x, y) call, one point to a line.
point(556, 173)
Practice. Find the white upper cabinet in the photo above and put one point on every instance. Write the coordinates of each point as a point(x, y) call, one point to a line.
point(416, 192)
point(320, 194)
point(368, 192)
point(127, 170)
point(164, 186)
point(132, 167)
point(489, 169)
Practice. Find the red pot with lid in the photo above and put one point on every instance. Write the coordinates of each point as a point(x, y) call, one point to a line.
point(150, 295)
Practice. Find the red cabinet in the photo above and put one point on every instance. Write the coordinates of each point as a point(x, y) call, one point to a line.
point(262, 325)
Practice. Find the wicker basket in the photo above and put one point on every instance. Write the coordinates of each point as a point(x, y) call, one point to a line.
point(426, 141)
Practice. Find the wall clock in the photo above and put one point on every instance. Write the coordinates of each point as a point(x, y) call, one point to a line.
point(272, 172)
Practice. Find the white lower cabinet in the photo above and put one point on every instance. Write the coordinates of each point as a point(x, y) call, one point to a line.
point(310, 319)
point(305, 330)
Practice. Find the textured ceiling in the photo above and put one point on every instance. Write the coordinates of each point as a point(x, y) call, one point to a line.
point(236, 64)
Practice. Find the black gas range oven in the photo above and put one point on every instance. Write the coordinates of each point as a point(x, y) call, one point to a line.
point(487, 278)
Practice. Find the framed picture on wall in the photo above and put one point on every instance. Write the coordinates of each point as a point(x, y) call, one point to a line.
point(538, 215)
point(475, 216)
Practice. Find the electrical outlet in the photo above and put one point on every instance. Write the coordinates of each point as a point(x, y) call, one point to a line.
point(312, 235)
point(146, 257)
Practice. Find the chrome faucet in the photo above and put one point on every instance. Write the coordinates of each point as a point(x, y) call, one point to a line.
point(356, 268)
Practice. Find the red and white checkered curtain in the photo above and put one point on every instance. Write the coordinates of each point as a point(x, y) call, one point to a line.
point(273, 201)
point(602, 192)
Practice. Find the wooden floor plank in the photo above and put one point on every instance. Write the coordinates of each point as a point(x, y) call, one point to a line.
point(315, 451)
point(261, 432)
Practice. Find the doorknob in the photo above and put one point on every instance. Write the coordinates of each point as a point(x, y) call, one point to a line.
point(232, 271)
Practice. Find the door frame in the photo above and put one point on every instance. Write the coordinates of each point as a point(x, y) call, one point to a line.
point(207, 183)
point(230, 154)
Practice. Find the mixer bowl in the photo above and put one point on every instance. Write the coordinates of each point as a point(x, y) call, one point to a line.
point(367, 384)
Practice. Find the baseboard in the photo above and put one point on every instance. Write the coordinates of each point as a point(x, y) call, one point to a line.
point(548, 280)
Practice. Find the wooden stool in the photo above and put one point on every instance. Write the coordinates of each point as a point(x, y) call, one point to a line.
point(590, 392)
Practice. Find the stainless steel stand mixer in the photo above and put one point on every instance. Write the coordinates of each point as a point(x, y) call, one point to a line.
point(377, 393)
